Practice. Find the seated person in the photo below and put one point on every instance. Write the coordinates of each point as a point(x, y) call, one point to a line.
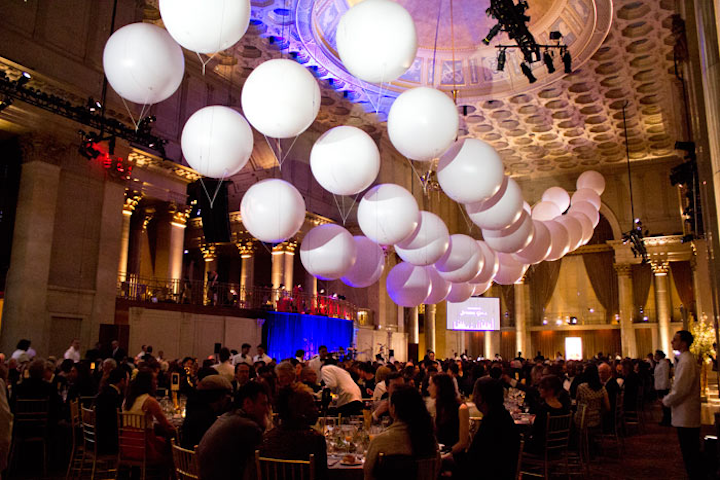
point(107, 403)
point(294, 438)
point(309, 378)
point(550, 388)
point(34, 387)
point(212, 399)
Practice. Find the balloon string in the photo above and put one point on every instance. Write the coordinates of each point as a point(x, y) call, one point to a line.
point(437, 30)
point(204, 63)
point(217, 189)
point(469, 223)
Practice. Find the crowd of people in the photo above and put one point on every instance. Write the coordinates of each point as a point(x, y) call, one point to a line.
point(238, 402)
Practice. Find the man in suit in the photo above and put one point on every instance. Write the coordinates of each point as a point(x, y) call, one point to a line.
point(107, 403)
point(118, 353)
point(684, 403)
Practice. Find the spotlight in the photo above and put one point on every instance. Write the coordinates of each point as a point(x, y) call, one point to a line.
point(93, 105)
point(5, 103)
point(555, 35)
point(548, 61)
point(501, 60)
point(23, 79)
point(567, 60)
point(493, 31)
point(528, 73)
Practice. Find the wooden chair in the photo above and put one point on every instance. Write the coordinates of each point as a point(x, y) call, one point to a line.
point(617, 428)
point(185, 463)
point(282, 469)
point(408, 467)
point(518, 469)
point(90, 452)
point(133, 443)
point(75, 464)
point(474, 425)
point(579, 457)
point(634, 418)
point(557, 438)
point(30, 426)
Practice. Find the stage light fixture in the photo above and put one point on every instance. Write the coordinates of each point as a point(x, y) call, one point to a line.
point(501, 60)
point(491, 34)
point(23, 79)
point(93, 105)
point(548, 61)
point(555, 35)
point(527, 72)
point(5, 103)
point(567, 60)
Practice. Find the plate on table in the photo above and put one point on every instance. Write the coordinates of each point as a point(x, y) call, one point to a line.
point(351, 461)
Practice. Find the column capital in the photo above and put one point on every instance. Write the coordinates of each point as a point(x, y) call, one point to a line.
point(132, 198)
point(208, 251)
point(288, 246)
point(246, 248)
point(660, 267)
point(623, 269)
point(179, 214)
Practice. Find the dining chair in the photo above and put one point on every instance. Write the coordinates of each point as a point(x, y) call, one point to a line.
point(282, 469)
point(578, 454)
point(392, 467)
point(616, 429)
point(185, 463)
point(90, 451)
point(634, 418)
point(30, 426)
point(75, 464)
point(518, 468)
point(133, 444)
point(555, 451)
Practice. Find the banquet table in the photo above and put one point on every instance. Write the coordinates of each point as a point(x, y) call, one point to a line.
point(338, 471)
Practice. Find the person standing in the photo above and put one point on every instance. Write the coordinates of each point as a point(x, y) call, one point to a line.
point(684, 402)
point(661, 376)
point(244, 356)
point(261, 355)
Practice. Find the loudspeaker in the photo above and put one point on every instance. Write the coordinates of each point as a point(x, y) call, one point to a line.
point(215, 220)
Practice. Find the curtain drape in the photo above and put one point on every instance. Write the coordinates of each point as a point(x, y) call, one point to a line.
point(682, 274)
point(603, 278)
point(288, 332)
point(543, 278)
point(641, 282)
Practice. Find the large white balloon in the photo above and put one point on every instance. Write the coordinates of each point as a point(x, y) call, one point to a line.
point(560, 244)
point(368, 266)
point(491, 264)
point(428, 243)
point(459, 292)
point(592, 180)
point(540, 246)
point(143, 63)
point(587, 209)
point(272, 210)
point(462, 261)
point(377, 41)
point(501, 210)
point(511, 270)
point(587, 195)
point(512, 239)
point(440, 287)
point(388, 214)
point(422, 123)
point(480, 288)
point(280, 98)
point(208, 26)
point(558, 196)
point(545, 210)
point(217, 141)
point(328, 251)
point(587, 227)
point(470, 171)
point(574, 228)
point(408, 285)
point(345, 160)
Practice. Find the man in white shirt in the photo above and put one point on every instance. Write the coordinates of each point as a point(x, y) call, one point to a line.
point(73, 353)
point(225, 368)
point(661, 375)
point(316, 362)
point(340, 382)
point(261, 355)
point(684, 400)
point(244, 355)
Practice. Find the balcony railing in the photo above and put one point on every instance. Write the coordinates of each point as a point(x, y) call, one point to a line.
point(189, 292)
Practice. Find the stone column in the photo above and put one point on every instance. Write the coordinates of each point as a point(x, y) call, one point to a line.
point(247, 265)
point(429, 329)
point(169, 244)
point(627, 332)
point(278, 266)
point(521, 331)
point(139, 234)
point(131, 200)
point(289, 255)
point(413, 326)
point(662, 304)
point(25, 311)
point(210, 257)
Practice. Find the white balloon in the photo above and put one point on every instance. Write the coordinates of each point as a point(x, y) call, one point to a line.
point(217, 141)
point(512, 239)
point(558, 196)
point(422, 123)
point(545, 210)
point(539, 248)
point(272, 210)
point(462, 261)
point(428, 243)
point(526, 207)
point(328, 251)
point(388, 214)
point(491, 264)
point(587, 209)
point(459, 292)
point(587, 195)
point(501, 210)
point(368, 266)
point(560, 244)
point(280, 98)
point(480, 288)
point(470, 171)
point(587, 226)
point(440, 287)
point(408, 285)
point(345, 160)
point(206, 27)
point(511, 270)
point(574, 228)
point(143, 63)
point(377, 41)
point(592, 180)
